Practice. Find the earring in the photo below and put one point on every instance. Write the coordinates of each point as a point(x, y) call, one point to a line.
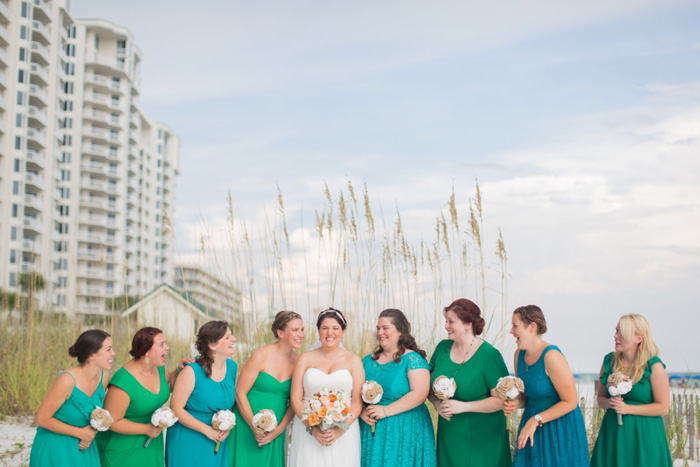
point(147, 360)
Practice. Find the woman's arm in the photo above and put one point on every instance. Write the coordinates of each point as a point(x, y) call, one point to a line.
point(358, 379)
point(601, 394)
point(563, 381)
point(248, 375)
point(418, 382)
point(54, 398)
point(183, 388)
point(171, 376)
point(520, 401)
point(116, 402)
point(659, 391)
point(296, 391)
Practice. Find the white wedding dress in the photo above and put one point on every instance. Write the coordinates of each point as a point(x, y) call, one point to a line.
point(305, 450)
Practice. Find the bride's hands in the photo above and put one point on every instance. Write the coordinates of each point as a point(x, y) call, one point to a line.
point(328, 437)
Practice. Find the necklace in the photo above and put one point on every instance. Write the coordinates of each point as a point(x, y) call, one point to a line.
point(150, 373)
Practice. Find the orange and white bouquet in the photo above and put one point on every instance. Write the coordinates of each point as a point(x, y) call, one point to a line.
point(326, 408)
point(372, 393)
point(163, 417)
point(444, 387)
point(264, 421)
point(223, 420)
point(619, 384)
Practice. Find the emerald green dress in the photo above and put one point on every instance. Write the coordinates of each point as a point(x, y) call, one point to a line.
point(118, 450)
point(469, 438)
point(641, 440)
point(55, 449)
point(266, 393)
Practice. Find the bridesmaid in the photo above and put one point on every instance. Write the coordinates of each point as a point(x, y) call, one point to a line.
point(403, 429)
point(135, 391)
point(264, 384)
point(64, 434)
point(471, 429)
point(641, 440)
point(551, 429)
point(203, 388)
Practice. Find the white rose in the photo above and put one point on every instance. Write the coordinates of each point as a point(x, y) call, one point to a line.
point(613, 391)
point(512, 394)
point(623, 387)
point(315, 404)
point(444, 386)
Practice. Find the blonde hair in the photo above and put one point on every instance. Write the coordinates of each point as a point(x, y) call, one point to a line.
point(631, 326)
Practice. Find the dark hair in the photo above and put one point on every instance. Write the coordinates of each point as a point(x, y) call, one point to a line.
point(406, 340)
point(143, 341)
point(209, 333)
point(467, 312)
point(88, 343)
point(532, 314)
point(332, 313)
point(281, 320)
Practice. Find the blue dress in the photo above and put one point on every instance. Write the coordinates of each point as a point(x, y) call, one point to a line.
point(55, 449)
point(185, 447)
point(405, 439)
point(560, 442)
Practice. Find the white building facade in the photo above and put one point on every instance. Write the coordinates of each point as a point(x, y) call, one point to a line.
point(86, 179)
point(216, 296)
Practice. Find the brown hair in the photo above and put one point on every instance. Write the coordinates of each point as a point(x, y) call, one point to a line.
point(467, 312)
point(143, 341)
point(209, 333)
point(281, 320)
point(88, 343)
point(332, 313)
point(406, 340)
point(532, 314)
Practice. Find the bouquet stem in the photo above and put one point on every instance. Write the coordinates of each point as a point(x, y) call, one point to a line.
point(216, 447)
point(148, 441)
point(619, 416)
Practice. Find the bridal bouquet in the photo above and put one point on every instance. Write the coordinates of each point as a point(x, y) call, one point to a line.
point(444, 387)
point(372, 393)
point(163, 417)
point(100, 419)
point(223, 420)
point(619, 384)
point(264, 421)
point(326, 408)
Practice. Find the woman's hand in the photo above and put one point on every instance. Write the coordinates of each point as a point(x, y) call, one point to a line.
point(619, 406)
point(267, 436)
point(215, 435)
point(528, 432)
point(153, 431)
point(376, 412)
point(508, 408)
point(328, 437)
point(366, 418)
point(85, 436)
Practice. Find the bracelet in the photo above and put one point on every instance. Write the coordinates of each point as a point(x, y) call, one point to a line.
point(385, 414)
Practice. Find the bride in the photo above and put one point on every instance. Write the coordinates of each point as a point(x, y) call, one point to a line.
point(337, 369)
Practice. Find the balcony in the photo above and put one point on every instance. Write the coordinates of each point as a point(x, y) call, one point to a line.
point(90, 308)
point(92, 273)
point(37, 116)
point(112, 63)
point(99, 221)
point(4, 35)
point(3, 104)
point(39, 53)
point(31, 178)
point(33, 202)
point(96, 133)
point(3, 81)
point(4, 13)
point(37, 96)
point(31, 246)
point(39, 75)
point(91, 291)
point(31, 223)
point(34, 135)
point(4, 59)
point(35, 159)
point(41, 33)
point(41, 11)
point(95, 255)
point(96, 150)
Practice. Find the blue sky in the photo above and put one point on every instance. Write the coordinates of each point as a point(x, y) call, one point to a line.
point(581, 121)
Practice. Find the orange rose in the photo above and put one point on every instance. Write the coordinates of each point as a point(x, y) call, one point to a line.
point(345, 410)
point(337, 417)
point(333, 397)
point(313, 419)
point(322, 412)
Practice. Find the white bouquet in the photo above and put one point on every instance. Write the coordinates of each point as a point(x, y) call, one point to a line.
point(163, 417)
point(372, 393)
point(100, 419)
point(223, 420)
point(264, 421)
point(444, 387)
point(619, 384)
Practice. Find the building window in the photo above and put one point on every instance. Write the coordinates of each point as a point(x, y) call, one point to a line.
point(65, 157)
point(69, 68)
point(68, 87)
point(70, 32)
point(24, 11)
point(120, 62)
point(17, 164)
point(67, 140)
point(68, 106)
point(115, 117)
point(20, 98)
point(22, 54)
point(15, 188)
point(113, 134)
point(23, 32)
point(70, 50)
point(18, 143)
point(13, 256)
point(13, 233)
point(121, 45)
point(115, 100)
point(15, 210)
point(115, 82)
point(20, 76)
point(18, 120)
point(65, 175)
point(13, 279)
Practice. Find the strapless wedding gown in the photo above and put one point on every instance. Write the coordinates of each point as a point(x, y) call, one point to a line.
point(305, 450)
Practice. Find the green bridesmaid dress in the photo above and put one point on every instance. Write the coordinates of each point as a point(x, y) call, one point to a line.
point(266, 393)
point(118, 450)
point(55, 449)
point(641, 439)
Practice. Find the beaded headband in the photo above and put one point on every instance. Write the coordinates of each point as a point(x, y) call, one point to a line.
point(332, 310)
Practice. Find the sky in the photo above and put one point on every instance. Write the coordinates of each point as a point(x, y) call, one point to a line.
point(580, 121)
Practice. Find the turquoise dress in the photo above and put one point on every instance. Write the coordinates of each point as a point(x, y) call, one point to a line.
point(405, 439)
point(641, 439)
point(560, 442)
point(54, 449)
point(185, 447)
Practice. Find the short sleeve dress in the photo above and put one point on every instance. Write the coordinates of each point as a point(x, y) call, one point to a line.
point(266, 393)
point(557, 443)
point(119, 450)
point(186, 447)
point(402, 439)
point(55, 449)
point(640, 440)
point(470, 438)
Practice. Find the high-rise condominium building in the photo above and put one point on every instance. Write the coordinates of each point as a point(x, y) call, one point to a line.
point(86, 179)
point(215, 295)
